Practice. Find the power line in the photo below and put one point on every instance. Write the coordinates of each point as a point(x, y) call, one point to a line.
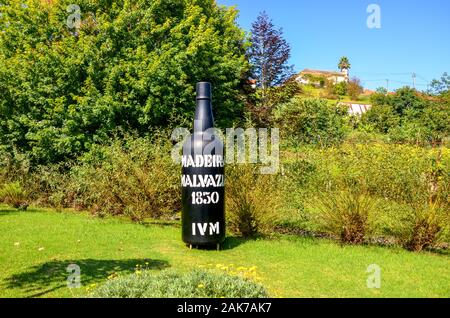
point(382, 74)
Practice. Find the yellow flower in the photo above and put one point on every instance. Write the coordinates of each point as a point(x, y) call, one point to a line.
point(112, 276)
point(201, 286)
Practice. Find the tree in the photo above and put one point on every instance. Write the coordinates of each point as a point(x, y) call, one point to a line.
point(344, 63)
point(407, 102)
point(382, 91)
point(269, 54)
point(439, 87)
point(354, 88)
point(132, 65)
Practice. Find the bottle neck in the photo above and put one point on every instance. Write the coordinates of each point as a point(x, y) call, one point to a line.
point(203, 119)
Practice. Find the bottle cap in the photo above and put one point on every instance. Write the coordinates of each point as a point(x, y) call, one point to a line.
point(204, 90)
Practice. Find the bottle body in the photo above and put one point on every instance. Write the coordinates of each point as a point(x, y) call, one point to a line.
point(203, 194)
point(203, 178)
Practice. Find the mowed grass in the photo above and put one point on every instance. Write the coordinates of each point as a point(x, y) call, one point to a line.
point(36, 247)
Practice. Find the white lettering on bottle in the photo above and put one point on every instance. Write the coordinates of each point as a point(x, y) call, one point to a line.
point(214, 228)
point(208, 161)
point(202, 181)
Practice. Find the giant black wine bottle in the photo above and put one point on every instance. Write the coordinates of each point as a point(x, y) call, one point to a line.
point(203, 178)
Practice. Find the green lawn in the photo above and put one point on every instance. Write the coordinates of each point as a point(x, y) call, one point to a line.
point(37, 246)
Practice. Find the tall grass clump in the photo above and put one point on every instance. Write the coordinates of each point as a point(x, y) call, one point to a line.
point(426, 227)
point(13, 194)
point(253, 200)
point(346, 214)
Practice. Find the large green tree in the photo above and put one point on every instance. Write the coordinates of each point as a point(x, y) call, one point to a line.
point(129, 65)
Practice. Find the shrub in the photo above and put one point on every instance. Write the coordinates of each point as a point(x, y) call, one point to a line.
point(50, 185)
point(311, 121)
point(253, 200)
point(346, 214)
point(134, 177)
point(13, 194)
point(169, 284)
point(397, 178)
point(340, 89)
point(410, 117)
point(401, 173)
point(381, 118)
point(354, 88)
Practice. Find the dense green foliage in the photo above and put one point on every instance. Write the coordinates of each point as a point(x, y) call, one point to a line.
point(169, 284)
point(132, 64)
point(311, 121)
point(410, 117)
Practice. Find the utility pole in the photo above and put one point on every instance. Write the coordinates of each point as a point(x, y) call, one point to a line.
point(387, 85)
point(414, 80)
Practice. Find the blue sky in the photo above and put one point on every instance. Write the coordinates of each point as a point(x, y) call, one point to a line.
point(414, 36)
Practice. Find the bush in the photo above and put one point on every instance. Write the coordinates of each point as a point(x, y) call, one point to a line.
point(410, 117)
point(381, 118)
point(169, 284)
point(397, 178)
point(346, 214)
point(253, 200)
point(340, 89)
point(50, 185)
point(354, 88)
point(401, 173)
point(134, 177)
point(311, 121)
point(14, 195)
